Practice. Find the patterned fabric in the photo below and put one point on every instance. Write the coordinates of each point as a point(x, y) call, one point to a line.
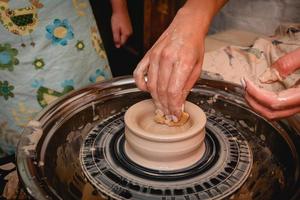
point(47, 48)
point(231, 63)
point(234, 62)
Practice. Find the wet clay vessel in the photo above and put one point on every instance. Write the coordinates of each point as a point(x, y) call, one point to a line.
point(161, 147)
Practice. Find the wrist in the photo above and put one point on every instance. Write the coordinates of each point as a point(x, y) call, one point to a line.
point(201, 12)
point(119, 6)
point(200, 21)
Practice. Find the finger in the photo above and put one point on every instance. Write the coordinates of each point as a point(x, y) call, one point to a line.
point(268, 113)
point(116, 36)
point(179, 77)
point(152, 77)
point(195, 75)
point(142, 68)
point(270, 75)
point(286, 99)
point(140, 72)
point(288, 63)
point(167, 60)
point(265, 97)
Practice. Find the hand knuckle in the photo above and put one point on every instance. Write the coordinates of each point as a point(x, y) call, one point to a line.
point(154, 54)
point(173, 92)
point(188, 59)
point(167, 54)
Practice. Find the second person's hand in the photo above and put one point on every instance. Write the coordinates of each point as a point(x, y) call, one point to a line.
point(282, 104)
point(120, 22)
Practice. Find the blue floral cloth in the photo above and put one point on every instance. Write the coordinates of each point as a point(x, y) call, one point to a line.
point(47, 48)
point(51, 34)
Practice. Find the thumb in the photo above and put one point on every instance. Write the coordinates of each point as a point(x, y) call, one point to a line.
point(288, 63)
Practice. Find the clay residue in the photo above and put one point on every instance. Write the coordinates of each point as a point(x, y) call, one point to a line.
point(269, 76)
point(8, 166)
point(163, 119)
point(33, 137)
point(11, 188)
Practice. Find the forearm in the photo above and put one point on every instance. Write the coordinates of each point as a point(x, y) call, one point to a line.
point(203, 11)
point(118, 6)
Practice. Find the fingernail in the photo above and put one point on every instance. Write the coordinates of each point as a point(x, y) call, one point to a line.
point(174, 118)
point(243, 82)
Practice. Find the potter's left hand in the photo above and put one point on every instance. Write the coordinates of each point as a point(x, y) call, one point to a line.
point(277, 105)
point(120, 22)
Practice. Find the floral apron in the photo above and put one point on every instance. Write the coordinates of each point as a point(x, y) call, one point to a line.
point(47, 48)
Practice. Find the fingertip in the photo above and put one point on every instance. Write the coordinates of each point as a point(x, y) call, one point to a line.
point(141, 84)
point(250, 87)
point(246, 80)
point(178, 114)
point(159, 107)
point(176, 111)
point(139, 73)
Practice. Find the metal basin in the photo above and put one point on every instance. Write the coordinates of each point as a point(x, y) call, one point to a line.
point(73, 150)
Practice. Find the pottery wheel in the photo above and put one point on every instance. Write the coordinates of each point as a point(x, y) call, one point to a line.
point(225, 165)
point(75, 149)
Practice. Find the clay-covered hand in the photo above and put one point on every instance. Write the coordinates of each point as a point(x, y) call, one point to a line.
point(120, 22)
point(274, 105)
point(173, 64)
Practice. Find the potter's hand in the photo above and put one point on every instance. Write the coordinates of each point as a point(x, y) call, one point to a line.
point(120, 22)
point(173, 64)
point(277, 105)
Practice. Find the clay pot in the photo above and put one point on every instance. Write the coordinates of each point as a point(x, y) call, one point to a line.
point(160, 147)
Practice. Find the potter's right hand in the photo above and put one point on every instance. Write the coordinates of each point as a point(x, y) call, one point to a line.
point(173, 64)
